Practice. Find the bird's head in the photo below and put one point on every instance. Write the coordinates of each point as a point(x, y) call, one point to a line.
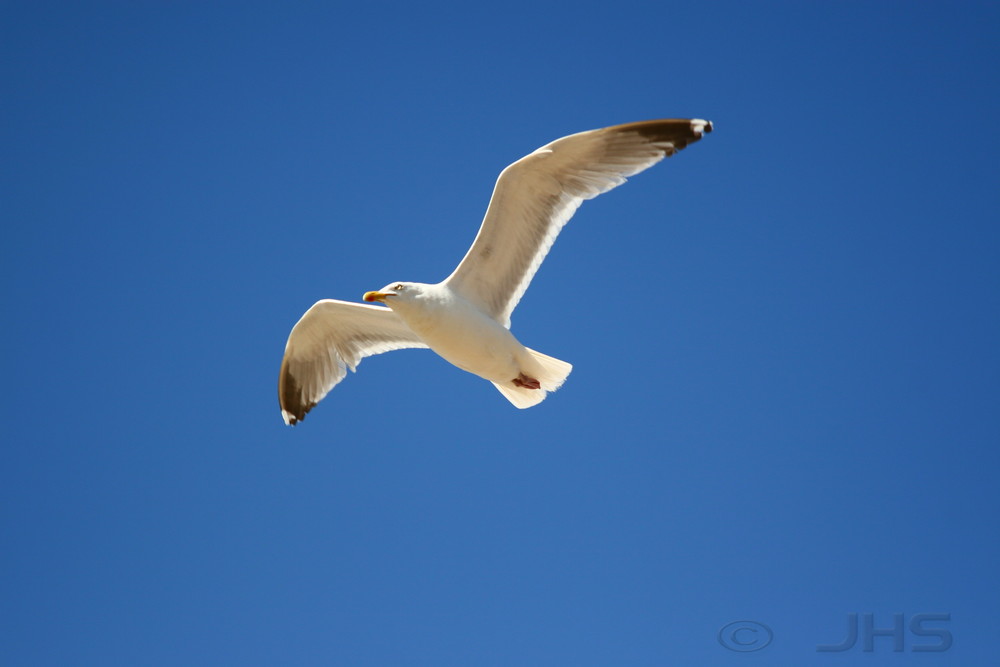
point(394, 293)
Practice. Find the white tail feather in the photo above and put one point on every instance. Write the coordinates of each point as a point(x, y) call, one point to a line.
point(550, 373)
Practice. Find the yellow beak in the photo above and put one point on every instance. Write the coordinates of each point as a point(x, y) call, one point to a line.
point(375, 296)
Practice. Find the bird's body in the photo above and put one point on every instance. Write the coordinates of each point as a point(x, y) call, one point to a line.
point(460, 332)
point(466, 317)
point(466, 336)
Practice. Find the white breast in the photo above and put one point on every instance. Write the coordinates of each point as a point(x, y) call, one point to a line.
point(463, 334)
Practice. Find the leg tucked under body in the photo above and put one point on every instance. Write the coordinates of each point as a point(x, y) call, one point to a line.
point(526, 382)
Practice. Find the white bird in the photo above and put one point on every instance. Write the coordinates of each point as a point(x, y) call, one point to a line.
point(466, 317)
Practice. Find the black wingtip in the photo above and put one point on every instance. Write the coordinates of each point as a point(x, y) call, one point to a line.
point(293, 405)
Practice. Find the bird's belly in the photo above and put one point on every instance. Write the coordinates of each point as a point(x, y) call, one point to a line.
point(478, 345)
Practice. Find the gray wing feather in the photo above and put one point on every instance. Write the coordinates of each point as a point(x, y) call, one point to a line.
point(537, 195)
point(330, 338)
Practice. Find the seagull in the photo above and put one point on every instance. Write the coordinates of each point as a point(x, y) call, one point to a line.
point(466, 317)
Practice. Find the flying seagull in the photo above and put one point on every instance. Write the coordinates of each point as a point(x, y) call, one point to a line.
point(466, 317)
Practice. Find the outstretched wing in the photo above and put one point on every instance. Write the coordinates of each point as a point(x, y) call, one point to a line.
point(538, 194)
point(330, 338)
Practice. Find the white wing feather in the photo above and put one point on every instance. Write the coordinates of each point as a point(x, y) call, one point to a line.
point(331, 337)
point(537, 195)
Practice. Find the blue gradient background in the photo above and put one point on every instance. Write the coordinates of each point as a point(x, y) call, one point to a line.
point(784, 406)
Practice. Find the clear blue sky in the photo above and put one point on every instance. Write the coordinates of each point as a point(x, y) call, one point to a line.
point(784, 407)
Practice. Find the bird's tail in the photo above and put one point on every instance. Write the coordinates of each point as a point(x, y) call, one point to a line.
point(550, 373)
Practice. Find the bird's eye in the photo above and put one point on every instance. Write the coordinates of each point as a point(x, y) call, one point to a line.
point(398, 287)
